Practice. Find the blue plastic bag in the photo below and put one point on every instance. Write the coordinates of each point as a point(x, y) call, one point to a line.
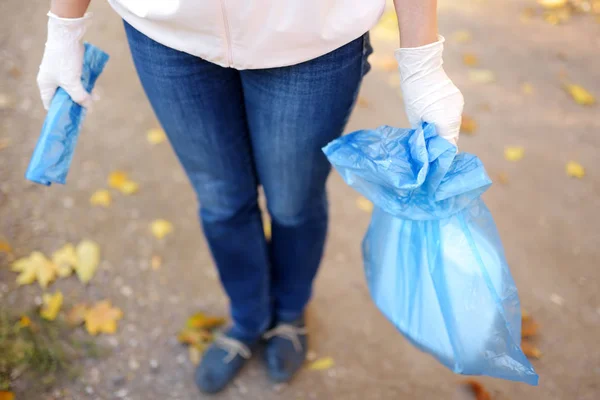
point(433, 259)
point(54, 150)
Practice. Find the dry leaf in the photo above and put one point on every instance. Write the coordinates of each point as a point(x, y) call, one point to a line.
point(482, 76)
point(514, 153)
point(529, 328)
point(5, 247)
point(502, 178)
point(203, 321)
point(321, 364)
point(364, 204)
point(580, 95)
point(462, 36)
point(156, 136)
point(527, 88)
point(363, 103)
point(101, 198)
point(119, 180)
point(530, 350)
point(194, 336)
point(35, 267)
point(4, 395)
point(4, 143)
point(24, 321)
point(76, 314)
point(385, 63)
point(470, 60)
point(161, 228)
point(65, 260)
point(102, 318)
point(129, 187)
point(575, 170)
point(51, 306)
point(15, 72)
point(88, 258)
point(468, 125)
point(552, 4)
point(478, 390)
point(156, 262)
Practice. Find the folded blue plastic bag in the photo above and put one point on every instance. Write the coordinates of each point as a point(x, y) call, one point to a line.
point(433, 258)
point(52, 156)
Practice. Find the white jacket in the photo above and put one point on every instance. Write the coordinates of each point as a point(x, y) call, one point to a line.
point(251, 34)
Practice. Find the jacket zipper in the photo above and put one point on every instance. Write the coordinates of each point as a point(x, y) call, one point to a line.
point(227, 34)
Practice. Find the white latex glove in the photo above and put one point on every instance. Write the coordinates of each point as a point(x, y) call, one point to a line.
point(429, 95)
point(63, 60)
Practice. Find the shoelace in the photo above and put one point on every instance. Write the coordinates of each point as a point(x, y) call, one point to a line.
point(233, 348)
point(289, 332)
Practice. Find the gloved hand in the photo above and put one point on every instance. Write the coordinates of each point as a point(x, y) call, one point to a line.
point(429, 95)
point(63, 60)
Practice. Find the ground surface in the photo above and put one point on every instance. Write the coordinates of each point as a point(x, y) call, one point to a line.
point(549, 222)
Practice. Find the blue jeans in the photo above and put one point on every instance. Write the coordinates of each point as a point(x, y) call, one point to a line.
point(235, 130)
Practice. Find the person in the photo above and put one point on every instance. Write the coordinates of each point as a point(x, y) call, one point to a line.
point(248, 93)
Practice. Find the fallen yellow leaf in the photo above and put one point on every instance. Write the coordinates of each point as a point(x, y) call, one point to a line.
point(575, 170)
point(88, 258)
point(4, 143)
point(101, 198)
point(35, 267)
point(514, 153)
point(129, 187)
point(478, 390)
point(468, 125)
point(527, 88)
point(552, 4)
point(481, 76)
point(529, 328)
point(530, 350)
point(580, 95)
point(195, 355)
point(102, 318)
point(156, 136)
point(204, 321)
point(4, 395)
point(462, 36)
point(470, 59)
point(116, 179)
point(156, 262)
point(65, 260)
point(120, 180)
point(76, 314)
point(161, 228)
point(364, 204)
point(321, 364)
point(51, 306)
point(362, 102)
point(194, 336)
point(24, 321)
point(5, 247)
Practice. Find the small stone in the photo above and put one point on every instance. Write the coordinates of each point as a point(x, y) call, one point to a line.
point(280, 387)
point(126, 291)
point(133, 364)
point(311, 356)
point(113, 341)
point(133, 342)
point(154, 366)
point(241, 387)
point(37, 300)
point(118, 380)
point(68, 202)
point(121, 393)
point(94, 376)
point(89, 390)
point(181, 359)
point(556, 299)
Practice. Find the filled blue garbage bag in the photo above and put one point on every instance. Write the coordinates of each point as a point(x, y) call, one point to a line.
point(433, 258)
point(52, 156)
